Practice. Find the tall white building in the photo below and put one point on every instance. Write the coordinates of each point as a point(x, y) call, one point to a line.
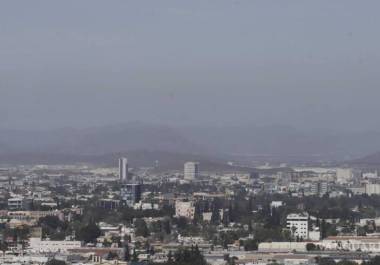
point(372, 188)
point(343, 175)
point(123, 169)
point(298, 224)
point(191, 170)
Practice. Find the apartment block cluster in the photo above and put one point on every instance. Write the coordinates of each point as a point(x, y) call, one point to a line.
point(30, 194)
point(305, 181)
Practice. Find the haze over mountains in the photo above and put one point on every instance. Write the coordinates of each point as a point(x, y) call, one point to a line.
point(244, 143)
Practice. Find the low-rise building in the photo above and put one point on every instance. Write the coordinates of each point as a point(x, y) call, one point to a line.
point(352, 243)
point(50, 246)
point(184, 209)
point(298, 224)
point(372, 188)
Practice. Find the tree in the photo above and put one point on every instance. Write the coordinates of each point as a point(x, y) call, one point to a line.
point(311, 247)
point(293, 229)
point(273, 220)
point(323, 229)
point(361, 231)
point(188, 257)
point(135, 255)
point(141, 229)
point(347, 262)
point(181, 223)
point(89, 233)
point(250, 244)
point(127, 256)
point(250, 204)
point(231, 213)
point(3, 246)
point(112, 255)
point(166, 226)
point(215, 216)
point(326, 261)
point(170, 257)
point(56, 262)
point(197, 214)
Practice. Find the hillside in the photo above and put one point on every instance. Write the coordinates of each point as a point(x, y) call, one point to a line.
point(243, 143)
point(369, 160)
point(166, 160)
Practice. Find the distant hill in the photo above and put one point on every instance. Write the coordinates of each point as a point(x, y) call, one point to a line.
point(97, 140)
point(369, 160)
point(166, 160)
point(285, 143)
point(242, 143)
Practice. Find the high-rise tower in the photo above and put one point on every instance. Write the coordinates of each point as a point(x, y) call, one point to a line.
point(191, 170)
point(123, 169)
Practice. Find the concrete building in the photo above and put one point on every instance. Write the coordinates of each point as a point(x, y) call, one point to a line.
point(314, 188)
point(32, 216)
point(372, 188)
point(323, 188)
point(123, 169)
point(46, 246)
point(15, 204)
point(191, 170)
point(130, 193)
point(352, 243)
point(314, 235)
point(298, 224)
point(282, 246)
point(108, 204)
point(184, 209)
point(343, 175)
point(207, 216)
point(19, 203)
point(370, 175)
point(319, 188)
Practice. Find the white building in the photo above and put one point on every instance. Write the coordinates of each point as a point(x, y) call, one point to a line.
point(123, 169)
point(207, 216)
point(276, 204)
point(314, 235)
point(37, 245)
point(282, 246)
point(370, 175)
point(184, 209)
point(343, 175)
point(191, 170)
point(365, 221)
point(352, 243)
point(372, 188)
point(298, 224)
point(146, 206)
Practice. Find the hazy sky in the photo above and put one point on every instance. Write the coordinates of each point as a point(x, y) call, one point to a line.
point(84, 63)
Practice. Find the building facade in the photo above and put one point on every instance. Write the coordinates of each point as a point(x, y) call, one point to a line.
point(372, 188)
point(298, 224)
point(123, 169)
point(191, 170)
point(184, 209)
point(130, 193)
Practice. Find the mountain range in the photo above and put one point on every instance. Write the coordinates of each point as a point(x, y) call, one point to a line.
point(216, 143)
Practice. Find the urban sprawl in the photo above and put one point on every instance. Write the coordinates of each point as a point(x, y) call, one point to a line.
point(82, 214)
